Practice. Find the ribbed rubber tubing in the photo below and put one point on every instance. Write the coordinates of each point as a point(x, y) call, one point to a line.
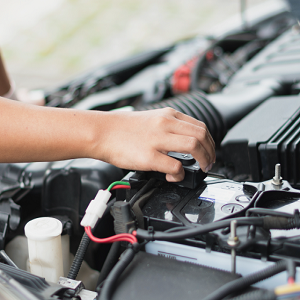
point(196, 105)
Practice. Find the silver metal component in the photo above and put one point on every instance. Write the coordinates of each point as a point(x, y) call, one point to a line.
point(277, 179)
point(12, 289)
point(74, 285)
point(87, 295)
point(233, 241)
point(261, 187)
point(233, 261)
point(7, 259)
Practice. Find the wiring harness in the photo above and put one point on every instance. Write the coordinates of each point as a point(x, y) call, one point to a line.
point(124, 228)
point(267, 222)
point(95, 210)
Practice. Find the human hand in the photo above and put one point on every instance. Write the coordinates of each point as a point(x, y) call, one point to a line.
point(129, 140)
point(141, 141)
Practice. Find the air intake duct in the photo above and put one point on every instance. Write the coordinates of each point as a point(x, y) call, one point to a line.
point(221, 111)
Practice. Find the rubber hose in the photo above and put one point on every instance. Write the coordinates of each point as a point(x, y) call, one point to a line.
point(197, 106)
point(281, 223)
point(109, 263)
point(265, 222)
point(115, 273)
point(244, 282)
point(194, 231)
point(257, 295)
point(76, 264)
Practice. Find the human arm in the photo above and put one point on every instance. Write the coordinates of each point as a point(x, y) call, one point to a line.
point(4, 80)
point(129, 140)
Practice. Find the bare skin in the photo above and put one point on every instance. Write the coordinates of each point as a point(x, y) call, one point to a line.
point(129, 140)
point(4, 80)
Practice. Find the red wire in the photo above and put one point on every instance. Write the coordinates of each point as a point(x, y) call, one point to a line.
point(291, 280)
point(120, 186)
point(116, 238)
point(126, 237)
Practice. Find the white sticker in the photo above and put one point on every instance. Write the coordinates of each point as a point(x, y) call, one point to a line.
point(214, 194)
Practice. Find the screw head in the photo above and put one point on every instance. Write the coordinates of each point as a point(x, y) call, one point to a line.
point(277, 179)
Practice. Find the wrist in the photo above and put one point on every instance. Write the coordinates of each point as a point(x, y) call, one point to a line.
point(94, 134)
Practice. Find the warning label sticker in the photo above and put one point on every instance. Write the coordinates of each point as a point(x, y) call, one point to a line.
point(215, 194)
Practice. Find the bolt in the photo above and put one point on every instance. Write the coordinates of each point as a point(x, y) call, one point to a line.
point(233, 241)
point(233, 229)
point(277, 170)
point(277, 179)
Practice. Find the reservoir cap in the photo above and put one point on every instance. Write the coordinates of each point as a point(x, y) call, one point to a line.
point(42, 229)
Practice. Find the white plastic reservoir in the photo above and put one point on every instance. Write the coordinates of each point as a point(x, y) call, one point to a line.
point(44, 247)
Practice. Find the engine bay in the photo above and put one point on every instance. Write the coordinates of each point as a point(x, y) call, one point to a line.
point(232, 233)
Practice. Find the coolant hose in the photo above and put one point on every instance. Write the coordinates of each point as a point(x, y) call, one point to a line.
point(244, 282)
point(76, 264)
point(115, 273)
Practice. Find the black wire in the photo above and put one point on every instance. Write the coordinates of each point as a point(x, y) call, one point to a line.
point(191, 232)
point(175, 229)
point(84, 243)
point(109, 263)
point(115, 273)
point(267, 222)
point(142, 191)
point(244, 282)
point(76, 264)
point(266, 211)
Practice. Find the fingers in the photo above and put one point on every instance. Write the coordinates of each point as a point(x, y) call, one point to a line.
point(197, 135)
point(151, 135)
point(188, 144)
point(186, 118)
point(171, 166)
point(189, 135)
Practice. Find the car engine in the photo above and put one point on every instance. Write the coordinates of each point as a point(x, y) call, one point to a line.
point(85, 229)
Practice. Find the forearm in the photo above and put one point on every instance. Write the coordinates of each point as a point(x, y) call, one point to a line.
point(31, 133)
point(129, 140)
point(4, 80)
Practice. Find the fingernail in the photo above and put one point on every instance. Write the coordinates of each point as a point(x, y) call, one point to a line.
point(176, 178)
point(208, 168)
point(170, 178)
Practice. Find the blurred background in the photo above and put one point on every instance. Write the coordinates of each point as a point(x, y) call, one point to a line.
point(45, 43)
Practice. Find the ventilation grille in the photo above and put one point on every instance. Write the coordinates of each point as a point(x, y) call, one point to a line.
point(283, 148)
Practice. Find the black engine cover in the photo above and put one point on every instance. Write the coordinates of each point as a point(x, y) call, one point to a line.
point(267, 136)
